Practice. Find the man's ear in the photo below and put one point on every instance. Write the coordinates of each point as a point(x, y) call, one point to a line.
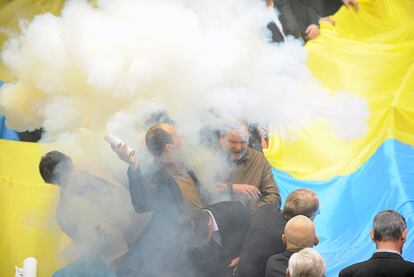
point(287, 272)
point(404, 234)
point(315, 241)
point(168, 148)
point(371, 234)
point(284, 239)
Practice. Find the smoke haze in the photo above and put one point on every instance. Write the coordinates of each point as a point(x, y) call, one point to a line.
point(110, 66)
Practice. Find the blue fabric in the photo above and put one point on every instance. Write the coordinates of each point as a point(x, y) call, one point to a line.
point(349, 203)
point(6, 133)
point(91, 266)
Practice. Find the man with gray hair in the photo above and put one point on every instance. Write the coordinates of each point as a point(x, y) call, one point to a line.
point(389, 234)
point(299, 234)
point(249, 179)
point(306, 262)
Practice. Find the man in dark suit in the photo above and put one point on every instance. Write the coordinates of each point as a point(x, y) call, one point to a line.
point(299, 233)
point(389, 234)
point(300, 18)
point(173, 193)
point(219, 231)
point(264, 237)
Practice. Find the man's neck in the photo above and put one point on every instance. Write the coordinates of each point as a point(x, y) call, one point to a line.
point(165, 160)
point(389, 245)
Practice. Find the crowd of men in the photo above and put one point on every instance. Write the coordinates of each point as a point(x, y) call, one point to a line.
point(188, 234)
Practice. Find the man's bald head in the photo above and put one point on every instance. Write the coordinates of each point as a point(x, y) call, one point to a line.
point(299, 233)
point(158, 136)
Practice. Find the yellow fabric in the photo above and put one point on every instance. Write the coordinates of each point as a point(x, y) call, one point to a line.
point(369, 53)
point(27, 211)
point(13, 11)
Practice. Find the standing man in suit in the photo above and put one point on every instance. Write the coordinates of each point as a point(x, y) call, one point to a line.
point(389, 234)
point(169, 189)
point(219, 233)
point(264, 237)
point(299, 234)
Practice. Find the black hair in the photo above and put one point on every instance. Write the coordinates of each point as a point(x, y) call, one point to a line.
point(51, 163)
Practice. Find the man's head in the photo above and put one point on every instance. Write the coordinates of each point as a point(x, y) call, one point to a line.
point(301, 202)
point(389, 230)
point(234, 140)
point(299, 233)
point(162, 140)
point(306, 262)
point(55, 167)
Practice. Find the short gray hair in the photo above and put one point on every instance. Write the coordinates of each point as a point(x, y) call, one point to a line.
point(388, 226)
point(301, 202)
point(306, 263)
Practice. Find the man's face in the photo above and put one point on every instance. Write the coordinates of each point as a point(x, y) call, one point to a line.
point(235, 143)
point(176, 144)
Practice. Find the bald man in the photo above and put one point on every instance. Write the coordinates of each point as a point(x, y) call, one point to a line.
point(172, 191)
point(299, 233)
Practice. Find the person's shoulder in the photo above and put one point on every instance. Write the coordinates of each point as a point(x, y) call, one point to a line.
point(408, 265)
point(352, 269)
point(268, 210)
point(256, 156)
point(275, 258)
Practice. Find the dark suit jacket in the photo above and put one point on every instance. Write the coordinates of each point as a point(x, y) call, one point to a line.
point(276, 34)
point(233, 220)
point(296, 15)
point(331, 6)
point(263, 239)
point(381, 264)
point(277, 264)
point(162, 246)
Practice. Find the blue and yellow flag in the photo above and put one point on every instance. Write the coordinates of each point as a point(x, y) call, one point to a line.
point(369, 53)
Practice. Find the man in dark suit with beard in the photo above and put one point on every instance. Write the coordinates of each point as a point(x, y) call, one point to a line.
point(389, 234)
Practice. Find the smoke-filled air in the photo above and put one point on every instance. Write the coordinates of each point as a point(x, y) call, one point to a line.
point(108, 66)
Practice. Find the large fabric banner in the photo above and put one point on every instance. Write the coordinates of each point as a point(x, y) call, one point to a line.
point(27, 211)
point(368, 53)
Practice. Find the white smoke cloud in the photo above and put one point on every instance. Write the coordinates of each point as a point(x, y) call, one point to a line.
point(111, 65)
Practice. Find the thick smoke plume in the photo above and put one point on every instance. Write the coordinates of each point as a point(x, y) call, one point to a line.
point(110, 65)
